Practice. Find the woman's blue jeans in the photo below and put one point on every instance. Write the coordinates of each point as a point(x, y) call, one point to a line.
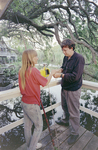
point(32, 116)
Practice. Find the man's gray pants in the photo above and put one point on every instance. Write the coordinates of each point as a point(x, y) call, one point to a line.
point(70, 105)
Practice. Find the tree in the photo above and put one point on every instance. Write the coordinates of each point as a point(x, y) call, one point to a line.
point(49, 17)
point(43, 19)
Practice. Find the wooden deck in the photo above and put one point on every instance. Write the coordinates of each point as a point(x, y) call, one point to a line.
point(86, 140)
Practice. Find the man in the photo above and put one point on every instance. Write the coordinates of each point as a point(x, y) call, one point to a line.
point(71, 74)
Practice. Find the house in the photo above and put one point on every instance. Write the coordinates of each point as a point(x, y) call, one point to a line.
point(7, 57)
point(6, 54)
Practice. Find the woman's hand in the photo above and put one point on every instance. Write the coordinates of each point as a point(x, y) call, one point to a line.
point(53, 71)
point(57, 75)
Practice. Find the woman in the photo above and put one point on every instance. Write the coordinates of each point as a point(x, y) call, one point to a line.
point(30, 80)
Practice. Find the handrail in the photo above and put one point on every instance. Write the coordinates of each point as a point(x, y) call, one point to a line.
point(12, 93)
point(20, 121)
point(3, 6)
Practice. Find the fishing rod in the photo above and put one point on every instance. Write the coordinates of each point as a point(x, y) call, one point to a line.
point(45, 73)
point(48, 125)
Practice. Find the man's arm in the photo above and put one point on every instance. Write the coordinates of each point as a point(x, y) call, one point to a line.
point(58, 73)
point(77, 71)
point(59, 70)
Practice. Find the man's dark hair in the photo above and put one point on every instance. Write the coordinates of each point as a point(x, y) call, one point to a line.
point(69, 43)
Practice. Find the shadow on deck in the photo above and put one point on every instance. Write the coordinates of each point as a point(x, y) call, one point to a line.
point(86, 140)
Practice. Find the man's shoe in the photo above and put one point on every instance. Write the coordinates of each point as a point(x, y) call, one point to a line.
point(39, 145)
point(63, 122)
point(72, 139)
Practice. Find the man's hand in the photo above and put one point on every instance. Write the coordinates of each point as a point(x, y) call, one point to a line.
point(53, 72)
point(57, 75)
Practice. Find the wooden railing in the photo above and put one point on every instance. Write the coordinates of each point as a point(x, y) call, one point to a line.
point(3, 6)
point(12, 93)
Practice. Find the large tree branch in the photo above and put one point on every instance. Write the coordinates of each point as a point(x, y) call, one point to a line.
point(92, 2)
point(19, 18)
point(46, 9)
point(87, 16)
point(81, 42)
point(93, 76)
point(57, 34)
point(40, 8)
point(11, 49)
point(70, 20)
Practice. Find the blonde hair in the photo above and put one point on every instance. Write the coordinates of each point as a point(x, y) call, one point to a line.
point(27, 61)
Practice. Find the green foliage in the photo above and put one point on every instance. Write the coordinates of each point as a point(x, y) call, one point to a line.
point(34, 30)
point(51, 55)
point(58, 59)
point(55, 148)
point(86, 96)
point(96, 11)
point(95, 101)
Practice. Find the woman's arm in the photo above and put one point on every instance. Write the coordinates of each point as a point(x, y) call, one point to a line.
point(50, 76)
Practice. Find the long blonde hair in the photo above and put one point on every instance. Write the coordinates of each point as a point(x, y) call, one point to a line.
point(27, 61)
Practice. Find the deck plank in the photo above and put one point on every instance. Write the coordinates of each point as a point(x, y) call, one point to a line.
point(66, 146)
point(58, 140)
point(82, 142)
point(86, 140)
point(46, 132)
point(93, 144)
point(55, 133)
point(22, 147)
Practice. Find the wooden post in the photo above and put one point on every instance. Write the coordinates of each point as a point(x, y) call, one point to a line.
point(4, 4)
